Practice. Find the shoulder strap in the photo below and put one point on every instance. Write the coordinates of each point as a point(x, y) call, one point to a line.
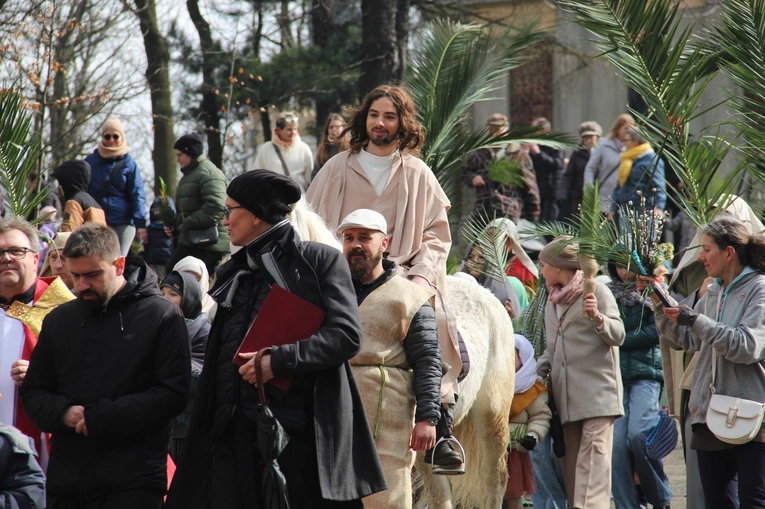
point(281, 158)
point(714, 352)
point(112, 179)
point(611, 172)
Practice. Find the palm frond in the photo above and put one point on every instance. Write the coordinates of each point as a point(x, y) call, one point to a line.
point(484, 233)
point(20, 150)
point(455, 67)
point(739, 39)
point(653, 47)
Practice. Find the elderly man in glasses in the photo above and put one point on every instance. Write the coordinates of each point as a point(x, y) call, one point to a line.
point(286, 153)
point(25, 299)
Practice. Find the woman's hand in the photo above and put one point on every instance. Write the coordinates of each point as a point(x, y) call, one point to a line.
point(590, 306)
point(681, 315)
point(643, 282)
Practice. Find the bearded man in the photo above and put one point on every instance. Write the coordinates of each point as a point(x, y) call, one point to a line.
point(399, 367)
point(381, 172)
point(25, 300)
point(110, 372)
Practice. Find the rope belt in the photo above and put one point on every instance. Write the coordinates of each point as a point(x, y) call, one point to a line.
point(380, 399)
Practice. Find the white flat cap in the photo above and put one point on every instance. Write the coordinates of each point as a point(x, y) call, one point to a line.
point(364, 218)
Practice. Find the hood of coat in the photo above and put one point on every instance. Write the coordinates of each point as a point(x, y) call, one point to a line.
point(141, 281)
point(199, 330)
point(191, 298)
point(73, 178)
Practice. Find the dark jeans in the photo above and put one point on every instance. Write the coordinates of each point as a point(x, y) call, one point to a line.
point(128, 499)
point(718, 471)
point(211, 259)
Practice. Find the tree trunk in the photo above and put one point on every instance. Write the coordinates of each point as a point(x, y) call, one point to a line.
point(322, 29)
point(402, 35)
point(158, 78)
point(285, 25)
point(61, 131)
point(210, 113)
point(384, 55)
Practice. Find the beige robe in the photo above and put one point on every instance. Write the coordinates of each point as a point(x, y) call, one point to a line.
point(389, 399)
point(415, 206)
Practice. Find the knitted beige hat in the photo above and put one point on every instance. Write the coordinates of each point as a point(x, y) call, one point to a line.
point(113, 124)
point(561, 253)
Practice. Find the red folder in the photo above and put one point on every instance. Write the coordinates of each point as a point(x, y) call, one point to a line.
point(283, 319)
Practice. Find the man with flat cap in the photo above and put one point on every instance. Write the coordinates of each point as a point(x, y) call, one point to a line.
point(330, 460)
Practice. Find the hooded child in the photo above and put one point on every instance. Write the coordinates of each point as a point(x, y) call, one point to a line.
point(79, 206)
point(183, 290)
point(529, 423)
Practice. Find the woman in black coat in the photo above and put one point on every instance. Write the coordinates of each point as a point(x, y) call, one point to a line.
point(571, 185)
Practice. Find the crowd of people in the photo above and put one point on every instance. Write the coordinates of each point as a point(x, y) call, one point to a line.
point(184, 360)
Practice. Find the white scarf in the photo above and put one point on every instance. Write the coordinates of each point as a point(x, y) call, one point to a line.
point(527, 375)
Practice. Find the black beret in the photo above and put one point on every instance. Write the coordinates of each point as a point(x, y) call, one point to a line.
point(191, 145)
point(268, 195)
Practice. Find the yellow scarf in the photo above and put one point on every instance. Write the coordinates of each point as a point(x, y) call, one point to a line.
point(524, 399)
point(627, 157)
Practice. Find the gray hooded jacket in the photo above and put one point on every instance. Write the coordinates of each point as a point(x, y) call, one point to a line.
point(736, 336)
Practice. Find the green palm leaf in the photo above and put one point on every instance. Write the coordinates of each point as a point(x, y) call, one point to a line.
point(653, 47)
point(20, 151)
point(455, 67)
point(739, 40)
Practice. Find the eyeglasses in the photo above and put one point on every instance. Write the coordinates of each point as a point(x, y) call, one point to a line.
point(229, 209)
point(15, 253)
point(178, 155)
point(109, 137)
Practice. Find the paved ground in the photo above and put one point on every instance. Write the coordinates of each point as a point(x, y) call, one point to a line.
point(674, 465)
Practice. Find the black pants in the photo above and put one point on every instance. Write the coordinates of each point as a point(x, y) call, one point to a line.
point(211, 259)
point(718, 471)
point(237, 470)
point(129, 499)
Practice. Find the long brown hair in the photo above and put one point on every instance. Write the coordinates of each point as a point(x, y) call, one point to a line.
point(624, 118)
point(322, 153)
point(411, 133)
point(750, 248)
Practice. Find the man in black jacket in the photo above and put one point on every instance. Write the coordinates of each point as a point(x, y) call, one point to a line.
point(110, 371)
point(548, 166)
point(400, 360)
point(330, 460)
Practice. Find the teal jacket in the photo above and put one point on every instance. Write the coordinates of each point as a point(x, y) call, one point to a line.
point(640, 354)
point(200, 202)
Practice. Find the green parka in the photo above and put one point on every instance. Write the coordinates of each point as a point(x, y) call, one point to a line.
point(200, 203)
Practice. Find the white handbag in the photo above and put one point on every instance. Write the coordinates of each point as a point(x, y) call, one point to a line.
point(731, 419)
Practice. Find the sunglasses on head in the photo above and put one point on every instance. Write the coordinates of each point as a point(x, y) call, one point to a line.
point(108, 137)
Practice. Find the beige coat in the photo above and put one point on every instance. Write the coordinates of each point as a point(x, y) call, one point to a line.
point(586, 379)
point(415, 207)
point(534, 419)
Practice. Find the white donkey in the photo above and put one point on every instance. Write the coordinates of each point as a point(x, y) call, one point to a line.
point(485, 395)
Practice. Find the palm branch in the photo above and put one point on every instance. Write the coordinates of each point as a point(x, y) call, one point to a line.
point(485, 234)
point(739, 40)
point(455, 67)
point(20, 151)
point(653, 47)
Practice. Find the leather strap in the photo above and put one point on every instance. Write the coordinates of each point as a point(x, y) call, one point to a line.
point(259, 374)
point(281, 158)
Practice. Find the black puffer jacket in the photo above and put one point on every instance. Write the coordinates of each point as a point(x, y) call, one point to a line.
point(128, 365)
point(422, 349)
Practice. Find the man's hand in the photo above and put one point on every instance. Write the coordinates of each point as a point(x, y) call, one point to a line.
point(143, 235)
point(423, 436)
point(478, 181)
point(509, 309)
point(248, 370)
point(73, 416)
point(19, 371)
point(168, 231)
point(421, 281)
point(82, 428)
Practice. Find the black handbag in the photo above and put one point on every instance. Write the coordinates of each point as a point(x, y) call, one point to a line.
point(556, 427)
point(203, 237)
